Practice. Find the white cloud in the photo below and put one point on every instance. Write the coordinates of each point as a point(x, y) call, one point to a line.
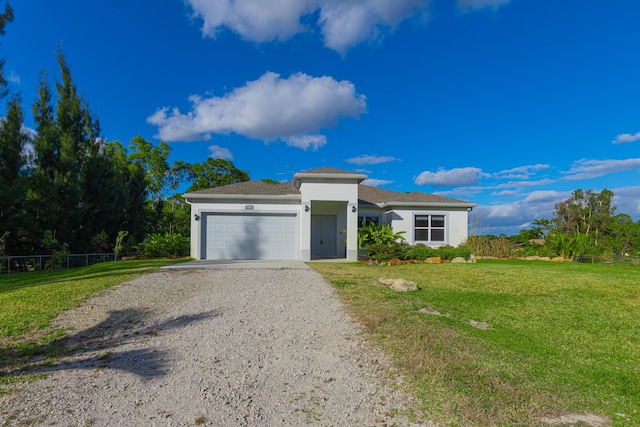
point(452, 177)
point(521, 184)
point(348, 23)
point(586, 169)
point(627, 200)
point(218, 152)
point(625, 138)
point(270, 108)
point(306, 141)
point(366, 159)
point(343, 23)
point(371, 182)
point(467, 5)
point(255, 20)
point(31, 133)
point(13, 77)
point(521, 172)
point(509, 217)
point(461, 192)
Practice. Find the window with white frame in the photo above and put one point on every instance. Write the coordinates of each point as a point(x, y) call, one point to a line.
point(429, 228)
point(368, 220)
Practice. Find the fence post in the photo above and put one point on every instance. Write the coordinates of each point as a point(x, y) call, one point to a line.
point(8, 264)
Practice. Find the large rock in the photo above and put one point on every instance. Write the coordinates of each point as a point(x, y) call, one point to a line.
point(399, 285)
point(433, 260)
point(458, 259)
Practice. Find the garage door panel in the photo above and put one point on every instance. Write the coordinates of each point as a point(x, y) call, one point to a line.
point(249, 236)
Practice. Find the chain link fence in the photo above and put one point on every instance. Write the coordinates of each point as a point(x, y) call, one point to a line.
point(26, 263)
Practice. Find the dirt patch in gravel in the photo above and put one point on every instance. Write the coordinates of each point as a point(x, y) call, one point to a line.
point(213, 347)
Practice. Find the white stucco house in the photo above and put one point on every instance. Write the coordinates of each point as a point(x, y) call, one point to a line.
point(303, 219)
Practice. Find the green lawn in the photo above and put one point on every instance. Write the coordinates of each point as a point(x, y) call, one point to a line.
point(30, 301)
point(559, 337)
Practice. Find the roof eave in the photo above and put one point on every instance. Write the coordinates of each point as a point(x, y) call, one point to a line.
point(297, 178)
point(193, 196)
point(428, 204)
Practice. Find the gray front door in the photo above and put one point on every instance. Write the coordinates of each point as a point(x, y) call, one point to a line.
point(323, 236)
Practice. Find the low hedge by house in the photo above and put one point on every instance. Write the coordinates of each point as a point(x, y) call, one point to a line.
point(384, 252)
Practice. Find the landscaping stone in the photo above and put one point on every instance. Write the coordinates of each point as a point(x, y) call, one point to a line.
point(480, 325)
point(399, 285)
point(433, 260)
point(458, 260)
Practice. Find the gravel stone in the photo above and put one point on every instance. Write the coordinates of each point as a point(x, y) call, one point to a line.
point(214, 347)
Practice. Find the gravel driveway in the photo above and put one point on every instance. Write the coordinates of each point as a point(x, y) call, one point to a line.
point(219, 347)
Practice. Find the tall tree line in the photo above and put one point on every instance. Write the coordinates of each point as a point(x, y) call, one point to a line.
point(588, 219)
point(67, 180)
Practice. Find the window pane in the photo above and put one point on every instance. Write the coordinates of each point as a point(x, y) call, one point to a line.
point(373, 219)
point(422, 235)
point(437, 220)
point(437, 235)
point(422, 220)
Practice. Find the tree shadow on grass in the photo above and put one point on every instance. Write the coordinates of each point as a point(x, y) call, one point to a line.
point(97, 347)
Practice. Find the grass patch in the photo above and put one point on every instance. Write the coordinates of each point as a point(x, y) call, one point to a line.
point(562, 337)
point(30, 301)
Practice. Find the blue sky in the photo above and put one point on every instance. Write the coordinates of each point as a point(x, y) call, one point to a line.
point(510, 104)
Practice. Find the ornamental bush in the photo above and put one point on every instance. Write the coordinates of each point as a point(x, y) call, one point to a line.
point(158, 245)
point(385, 252)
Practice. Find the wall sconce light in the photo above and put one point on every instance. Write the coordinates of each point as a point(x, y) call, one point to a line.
point(354, 209)
point(307, 208)
point(197, 217)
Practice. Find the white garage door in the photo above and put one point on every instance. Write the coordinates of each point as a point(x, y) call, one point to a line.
point(249, 236)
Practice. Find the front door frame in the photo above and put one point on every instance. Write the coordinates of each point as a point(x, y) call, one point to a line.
point(324, 236)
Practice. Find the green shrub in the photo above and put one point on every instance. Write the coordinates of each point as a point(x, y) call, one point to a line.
point(385, 251)
point(164, 245)
point(533, 249)
point(449, 252)
point(421, 252)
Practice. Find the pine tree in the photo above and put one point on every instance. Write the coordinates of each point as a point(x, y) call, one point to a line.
point(12, 177)
point(5, 18)
point(42, 200)
point(69, 163)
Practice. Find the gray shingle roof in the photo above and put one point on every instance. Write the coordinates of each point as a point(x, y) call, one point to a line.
point(366, 194)
point(257, 188)
point(329, 170)
point(374, 195)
